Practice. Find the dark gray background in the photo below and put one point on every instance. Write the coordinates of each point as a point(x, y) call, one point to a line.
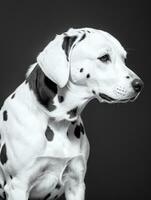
point(119, 164)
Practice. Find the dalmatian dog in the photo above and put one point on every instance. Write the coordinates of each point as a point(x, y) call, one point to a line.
point(44, 148)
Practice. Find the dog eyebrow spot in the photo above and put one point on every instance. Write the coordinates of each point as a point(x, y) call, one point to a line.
point(49, 134)
point(3, 155)
point(81, 70)
point(5, 116)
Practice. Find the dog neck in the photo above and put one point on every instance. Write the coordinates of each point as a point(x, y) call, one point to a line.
point(61, 104)
point(75, 99)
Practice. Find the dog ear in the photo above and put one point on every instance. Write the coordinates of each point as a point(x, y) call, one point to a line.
point(54, 60)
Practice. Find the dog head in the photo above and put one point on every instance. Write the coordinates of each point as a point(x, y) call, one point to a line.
point(93, 59)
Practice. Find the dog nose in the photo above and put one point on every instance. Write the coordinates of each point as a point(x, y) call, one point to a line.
point(137, 84)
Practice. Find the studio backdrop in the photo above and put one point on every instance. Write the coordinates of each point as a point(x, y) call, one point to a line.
point(119, 134)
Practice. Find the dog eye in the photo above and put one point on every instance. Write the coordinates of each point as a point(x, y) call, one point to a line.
point(105, 58)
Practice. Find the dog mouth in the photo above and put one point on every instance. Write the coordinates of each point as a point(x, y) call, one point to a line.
point(106, 97)
point(110, 99)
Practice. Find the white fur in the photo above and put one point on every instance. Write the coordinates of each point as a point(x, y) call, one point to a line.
point(36, 164)
point(30, 69)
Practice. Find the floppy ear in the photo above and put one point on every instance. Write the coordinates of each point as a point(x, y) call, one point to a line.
point(54, 60)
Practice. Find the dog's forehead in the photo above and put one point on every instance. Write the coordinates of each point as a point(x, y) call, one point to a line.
point(109, 42)
point(114, 42)
point(103, 39)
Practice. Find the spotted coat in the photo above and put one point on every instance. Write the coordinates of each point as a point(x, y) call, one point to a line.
point(43, 145)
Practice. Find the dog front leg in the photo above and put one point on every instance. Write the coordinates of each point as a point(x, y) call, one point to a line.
point(74, 179)
point(16, 190)
point(75, 191)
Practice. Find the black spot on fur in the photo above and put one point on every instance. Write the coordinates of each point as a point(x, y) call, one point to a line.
point(73, 122)
point(3, 155)
point(77, 131)
point(47, 196)
point(72, 112)
point(58, 186)
point(4, 196)
point(60, 99)
point(13, 96)
point(67, 44)
point(93, 92)
point(56, 197)
point(49, 134)
point(81, 70)
point(88, 75)
point(83, 37)
point(11, 176)
point(44, 89)
point(5, 116)
point(82, 128)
